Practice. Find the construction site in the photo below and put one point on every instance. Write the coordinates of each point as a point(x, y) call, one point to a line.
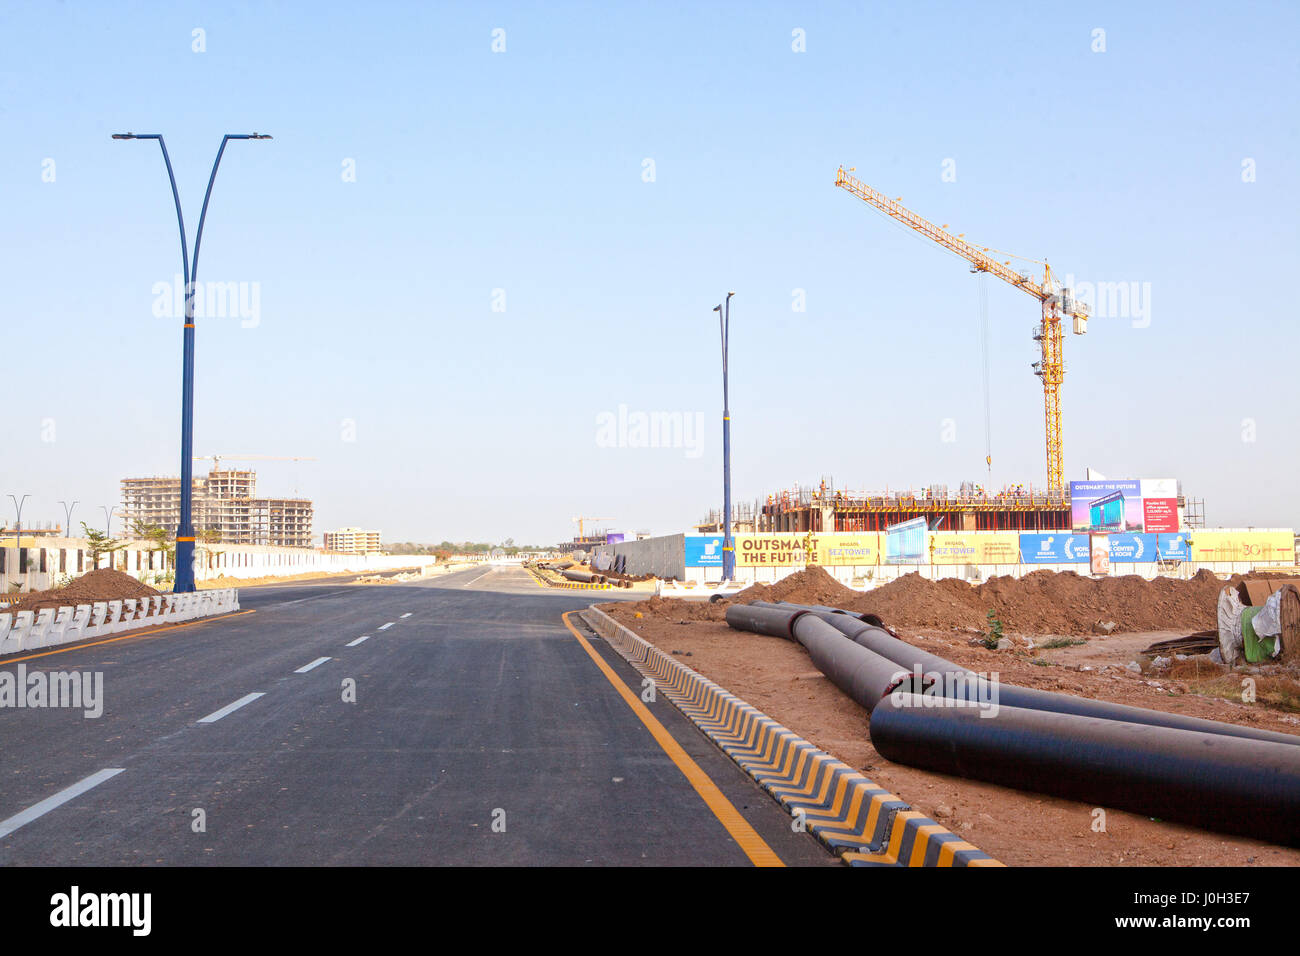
point(226, 508)
point(1146, 663)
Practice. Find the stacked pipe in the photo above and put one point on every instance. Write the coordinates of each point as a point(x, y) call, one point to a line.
point(931, 713)
point(585, 577)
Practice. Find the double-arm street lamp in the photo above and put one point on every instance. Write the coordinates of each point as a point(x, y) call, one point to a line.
point(18, 510)
point(185, 530)
point(67, 517)
point(728, 548)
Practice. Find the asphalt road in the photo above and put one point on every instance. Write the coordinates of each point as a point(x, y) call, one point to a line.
point(481, 732)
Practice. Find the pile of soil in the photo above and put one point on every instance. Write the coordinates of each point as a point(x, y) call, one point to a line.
point(1042, 602)
point(99, 585)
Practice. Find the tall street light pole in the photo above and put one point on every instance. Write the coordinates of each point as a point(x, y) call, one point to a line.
point(728, 548)
point(18, 531)
point(185, 530)
point(67, 517)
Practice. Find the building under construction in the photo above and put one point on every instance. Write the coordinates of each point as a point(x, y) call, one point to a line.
point(971, 508)
point(225, 507)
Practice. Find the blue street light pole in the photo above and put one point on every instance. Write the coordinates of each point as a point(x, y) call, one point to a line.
point(185, 530)
point(728, 548)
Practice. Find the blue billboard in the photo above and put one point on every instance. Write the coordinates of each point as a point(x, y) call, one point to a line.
point(905, 542)
point(1063, 548)
point(1058, 548)
point(703, 550)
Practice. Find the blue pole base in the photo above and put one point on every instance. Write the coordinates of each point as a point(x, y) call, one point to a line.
point(184, 567)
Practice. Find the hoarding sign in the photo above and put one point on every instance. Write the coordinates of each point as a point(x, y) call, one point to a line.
point(770, 550)
point(975, 548)
point(843, 550)
point(1173, 547)
point(1058, 548)
point(1129, 505)
point(703, 550)
point(1100, 545)
point(905, 542)
point(767, 550)
point(1262, 546)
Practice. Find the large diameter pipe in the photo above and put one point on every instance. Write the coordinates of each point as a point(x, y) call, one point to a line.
point(774, 622)
point(586, 577)
point(955, 681)
point(1250, 787)
point(862, 674)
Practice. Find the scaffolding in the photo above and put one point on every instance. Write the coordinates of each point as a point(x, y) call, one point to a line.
point(225, 508)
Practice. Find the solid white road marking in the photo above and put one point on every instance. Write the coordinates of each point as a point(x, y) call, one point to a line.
point(407, 614)
point(363, 637)
point(316, 663)
point(384, 627)
point(49, 803)
point(230, 708)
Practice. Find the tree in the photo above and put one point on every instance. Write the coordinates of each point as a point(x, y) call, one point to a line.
point(158, 538)
point(99, 543)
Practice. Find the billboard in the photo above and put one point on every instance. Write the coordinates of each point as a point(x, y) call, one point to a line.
point(841, 549)
point(1055, 548)
point(844, 549)
point(1270, 546)
point(703, 550)
point(905, 542)
point(986, 547)
point(1129, 505)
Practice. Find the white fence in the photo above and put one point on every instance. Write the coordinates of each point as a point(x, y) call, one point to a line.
point(43, 566)
point(29, 630)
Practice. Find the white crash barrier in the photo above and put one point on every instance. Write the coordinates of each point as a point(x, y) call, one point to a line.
point(27, 630)
point(691, 589)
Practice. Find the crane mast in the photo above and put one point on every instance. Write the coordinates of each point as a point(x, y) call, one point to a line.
point(1057, 302)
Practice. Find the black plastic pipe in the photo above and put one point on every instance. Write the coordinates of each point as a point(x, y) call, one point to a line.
point(774, 622)
point(861, 673)
point(1250, 787)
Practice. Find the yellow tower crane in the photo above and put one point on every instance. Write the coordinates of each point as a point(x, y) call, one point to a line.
point(585, 518)
point(1057, 302)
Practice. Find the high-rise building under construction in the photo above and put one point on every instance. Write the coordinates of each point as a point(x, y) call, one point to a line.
point(226, 507)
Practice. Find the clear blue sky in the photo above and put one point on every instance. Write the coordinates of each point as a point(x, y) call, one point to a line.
point(523, 171)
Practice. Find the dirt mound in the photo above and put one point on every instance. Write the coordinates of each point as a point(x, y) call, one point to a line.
point(813, 586)
point(100, 585)
point(1042, 602)
point(1048, 602)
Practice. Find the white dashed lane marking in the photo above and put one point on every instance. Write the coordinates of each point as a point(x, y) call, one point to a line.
point(229, 708)
point(59, 799)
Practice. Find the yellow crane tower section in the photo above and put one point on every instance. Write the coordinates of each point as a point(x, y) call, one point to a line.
point(1057, 302)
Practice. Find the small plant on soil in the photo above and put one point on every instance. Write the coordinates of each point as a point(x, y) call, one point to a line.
point(1063, 642)
point(994, 634)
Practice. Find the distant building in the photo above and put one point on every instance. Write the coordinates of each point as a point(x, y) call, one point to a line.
point(225, 506)
point(352, 541)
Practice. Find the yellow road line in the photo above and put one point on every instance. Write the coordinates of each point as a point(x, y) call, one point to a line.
point(147, 632)
point(759, 853)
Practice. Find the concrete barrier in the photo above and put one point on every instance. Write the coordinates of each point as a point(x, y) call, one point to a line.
point(49, 627)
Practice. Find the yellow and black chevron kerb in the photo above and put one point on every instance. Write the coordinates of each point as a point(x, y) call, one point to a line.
point(862, 822)
point(570, 585)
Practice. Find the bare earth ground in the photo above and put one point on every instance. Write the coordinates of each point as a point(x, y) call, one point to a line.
point(1015, 827)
